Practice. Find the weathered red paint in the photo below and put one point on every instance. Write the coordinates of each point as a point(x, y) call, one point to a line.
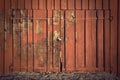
point(88, 36)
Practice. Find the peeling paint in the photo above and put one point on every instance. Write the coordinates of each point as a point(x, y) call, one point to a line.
point(71, 18)
point(38, 27)
point(56, 35)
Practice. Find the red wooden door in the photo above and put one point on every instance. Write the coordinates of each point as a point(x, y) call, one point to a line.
point(55, 40)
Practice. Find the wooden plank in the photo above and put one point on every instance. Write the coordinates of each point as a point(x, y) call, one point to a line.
point(107, 41)
point(85, 4)
point(114, 36)
point(30, 42)
point(80, 39)
point(42, 4)
point(40, 40)
point(71, 4)
point(100, 40)
point(21, 4)
point(58, 38)
point(16, 34)
point(50, 4)
point(70, 40)
point(78, 4)
point(56, 41)
point(14, 4)
point(28, 4)
point(1, 37)
point(24, 40)
point(93, 36)
point(64, 4)
point(2, 5)
point(99, 4)
point(90, 39)
point(50, 54)
point(119, 41)
point(62, 54)
point(8, 36)
point(57, 4)
point(35, 4)
point(92, 4)
point(106, 4)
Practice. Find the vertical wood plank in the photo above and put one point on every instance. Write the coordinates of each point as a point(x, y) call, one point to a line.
point(107, 53)
point(90, 39)
point(85, 4)
point(113, 36)
point(106, 4)
point(30, 41)
point(100, 39)
point(40, 40)
point(57, 4)
point(63, 39)
point(71, 4)
point(8, 36)
point(64, 4)
point(14, 4)
point(50, 4)
point(28, 4)
point(70, 50)
point(80, 39)
point(42, 4)
point(99, 4)
point(93, 36)
point(56, 37)
point(21, 4)
point(50, 54)
point(2, 36)
point(24, 40)
point(16, 33)
point(92, 4)
point(78, 4)
point(119, 41)
point(35, 4)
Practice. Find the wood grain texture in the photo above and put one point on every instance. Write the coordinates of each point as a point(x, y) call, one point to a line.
point(71, 4)
point(21, 4)
point(99, 4)
point(40, 40)
point(100, 44)
point(16, 38)
point(35, 4)
point(107, 53)
point(57, 4)
point(50, 4)
point(24, 40)
point(85, 4)
point(113, 36)
point(8, 36)
point(28, 4)
point(14, 4)
point(80, 39)
point(78, 4)
point(92, 4)
point(91, 39)
point(30, 41)
point(119, 41)
point(50, 45)
point(42, 4)
point(64, 4)
point(2, 37)
point(70, 41)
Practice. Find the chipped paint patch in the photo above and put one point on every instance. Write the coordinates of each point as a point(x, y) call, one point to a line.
point(38, 27)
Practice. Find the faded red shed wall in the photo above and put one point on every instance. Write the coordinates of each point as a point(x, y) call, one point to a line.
point(95, 42)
